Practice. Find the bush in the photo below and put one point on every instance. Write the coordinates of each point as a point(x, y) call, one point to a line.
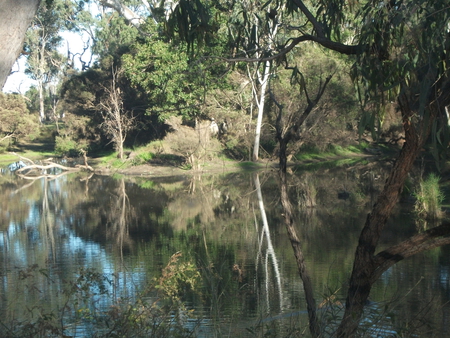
point(16, 121)
point(65, 146)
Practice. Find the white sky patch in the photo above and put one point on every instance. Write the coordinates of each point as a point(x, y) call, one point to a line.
point(76, 43)
point(18, 82)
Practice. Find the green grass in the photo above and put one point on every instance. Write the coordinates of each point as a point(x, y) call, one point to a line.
point(111, 160)
point(333, 163)
point(247, 165)
point(313, 154)
point(8, 158)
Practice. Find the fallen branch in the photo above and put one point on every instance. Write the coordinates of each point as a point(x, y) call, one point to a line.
point(47, 166)
point(50, 165)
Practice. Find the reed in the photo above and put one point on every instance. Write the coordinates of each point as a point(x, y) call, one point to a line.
point(429, 198)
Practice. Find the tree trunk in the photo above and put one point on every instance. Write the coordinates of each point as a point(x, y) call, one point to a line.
point(261, 102)
point(15, 18)
point(364, 266)
point(41, 100)
point(282, 155)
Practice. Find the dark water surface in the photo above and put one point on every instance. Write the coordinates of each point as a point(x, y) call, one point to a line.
point(61, 235)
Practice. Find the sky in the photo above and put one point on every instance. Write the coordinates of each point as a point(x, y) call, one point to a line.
point(18, 82)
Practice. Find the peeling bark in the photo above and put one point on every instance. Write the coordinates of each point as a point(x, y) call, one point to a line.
point(427, 240)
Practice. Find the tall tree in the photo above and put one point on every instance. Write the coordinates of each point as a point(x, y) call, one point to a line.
point(16, 120)
point(262, 39)
point(44, 62)
point(403, 54)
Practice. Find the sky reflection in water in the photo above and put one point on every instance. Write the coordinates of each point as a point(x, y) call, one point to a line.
point(232, 230)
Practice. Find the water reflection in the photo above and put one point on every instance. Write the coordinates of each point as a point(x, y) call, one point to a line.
point(230, 226)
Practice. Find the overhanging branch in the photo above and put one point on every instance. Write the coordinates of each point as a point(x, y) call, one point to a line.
point(427, 240)
point(327, 43)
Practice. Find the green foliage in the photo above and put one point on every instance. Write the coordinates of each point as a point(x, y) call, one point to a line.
point(177, 277)
point(113, 161)
point(16, 122)
point(114, 38)
point(74, 135)
point(407, 58)
point(194, 22)
point(147, 184)
point(44, 62)
point(142, 158)
point(166, 77)
point(65, 146)
point(138, 316)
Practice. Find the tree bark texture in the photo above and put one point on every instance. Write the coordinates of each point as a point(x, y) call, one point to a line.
point(15, 18)
point(364, 265)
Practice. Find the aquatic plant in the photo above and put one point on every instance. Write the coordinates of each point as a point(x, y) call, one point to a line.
point(93, 308)
point(429, 198)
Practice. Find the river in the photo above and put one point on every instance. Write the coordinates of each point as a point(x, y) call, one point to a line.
point(206, 256)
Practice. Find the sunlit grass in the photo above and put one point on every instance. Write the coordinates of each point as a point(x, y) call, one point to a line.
point(313, 154)
point(329, 164)
point(247, 165)
point(8, 158)
point(112, 161)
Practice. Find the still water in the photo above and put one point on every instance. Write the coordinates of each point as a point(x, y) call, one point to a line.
point(79, 250)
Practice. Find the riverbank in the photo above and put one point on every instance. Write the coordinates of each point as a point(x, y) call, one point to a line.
point(144, 162)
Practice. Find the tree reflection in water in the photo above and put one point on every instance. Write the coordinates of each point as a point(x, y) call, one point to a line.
point(270, 251)
point(128, 228)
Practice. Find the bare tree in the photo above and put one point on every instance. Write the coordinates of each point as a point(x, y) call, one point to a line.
point(116, 122)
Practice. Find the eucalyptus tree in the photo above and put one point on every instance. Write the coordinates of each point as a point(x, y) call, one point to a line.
point(403, 55)
point(163, 71)
point(136, 12)
point(44, 62)
point(116, 123)
point(256, 37)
